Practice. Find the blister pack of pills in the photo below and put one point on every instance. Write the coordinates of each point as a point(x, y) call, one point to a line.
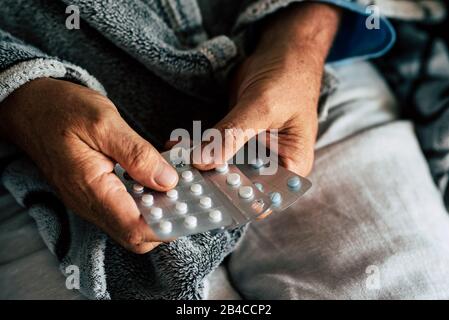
point(226, 197)
point(192, 207)
point(284, 188)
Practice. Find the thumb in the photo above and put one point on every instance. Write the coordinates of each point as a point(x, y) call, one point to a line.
point(236, 129)
point(140, 159)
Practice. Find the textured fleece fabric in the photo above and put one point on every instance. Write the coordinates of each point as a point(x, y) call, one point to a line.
point(163, 68)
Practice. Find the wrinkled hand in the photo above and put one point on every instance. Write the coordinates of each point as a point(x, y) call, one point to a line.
point(75, 135)
point(278, 85)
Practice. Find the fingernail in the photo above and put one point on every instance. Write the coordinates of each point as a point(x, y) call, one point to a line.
point(167, 177)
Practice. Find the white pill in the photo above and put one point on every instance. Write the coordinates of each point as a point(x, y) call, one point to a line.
point(215, 216)
point(166, 226)
point(172, 194)
point(147, 200)
point(190, 222)
point(156, 212)
point(181, 207)
point(137, 188)
point(246, 192)
point(196, 188)
point(223, 168)
point(206, 202)
point(233, 179)
point(187, 175)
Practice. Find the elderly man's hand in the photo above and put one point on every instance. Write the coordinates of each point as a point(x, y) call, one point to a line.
point(278, 86)
point(75, 135)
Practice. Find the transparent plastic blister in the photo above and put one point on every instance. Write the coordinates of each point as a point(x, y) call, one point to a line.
point(241, 192)
point(218, 199)
point(180, 212)
point(284, 187)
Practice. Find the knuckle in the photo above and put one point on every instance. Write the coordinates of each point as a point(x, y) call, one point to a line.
point(300, 160)
point(140, 156)
point(101, 118)
point(100, 121)
point(133, 239)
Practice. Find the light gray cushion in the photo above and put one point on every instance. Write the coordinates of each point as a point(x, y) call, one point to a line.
point(373, 226)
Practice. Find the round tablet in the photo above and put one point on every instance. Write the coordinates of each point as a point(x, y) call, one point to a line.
point(246, 192)
point(215, 216)
point(259, 186)
point(190, 222)
point(222, 168)
point(187, 175)
point(165, 226)
point(147, 200)
point(196, 188)
point(276, 197)
point(156, 212)
point(294, 182)
point(206, 202)
point(233, 179)
point(181, 207)
point(137, 188)
point(172, 194)
point(257, 163)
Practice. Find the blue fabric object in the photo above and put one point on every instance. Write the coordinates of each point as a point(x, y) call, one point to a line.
point(354, 41)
